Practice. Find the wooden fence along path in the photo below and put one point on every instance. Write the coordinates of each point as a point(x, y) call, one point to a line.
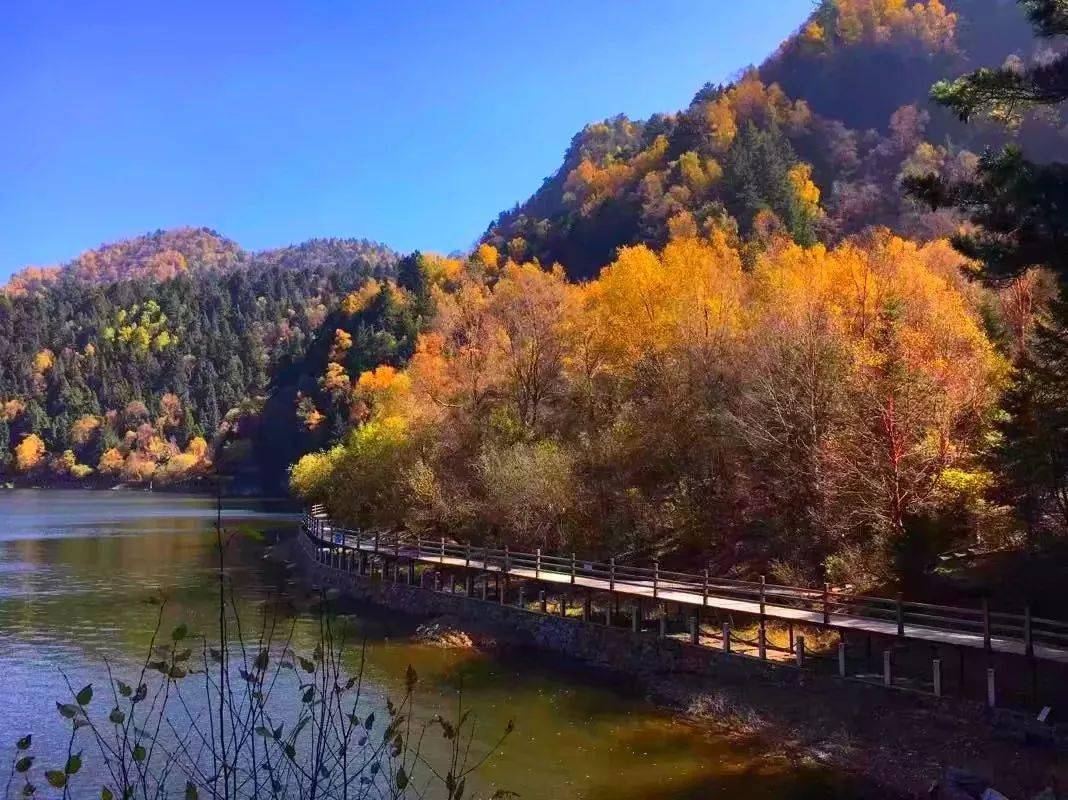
point(977, 628)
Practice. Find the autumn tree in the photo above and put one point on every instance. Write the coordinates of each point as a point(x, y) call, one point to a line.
point(530, 306)
point(1017, 207)
point(29, 453)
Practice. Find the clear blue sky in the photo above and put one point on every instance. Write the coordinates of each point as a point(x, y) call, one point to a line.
point(408, 121)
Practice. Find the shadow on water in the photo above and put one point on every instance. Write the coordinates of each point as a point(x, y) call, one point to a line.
point(75, 570)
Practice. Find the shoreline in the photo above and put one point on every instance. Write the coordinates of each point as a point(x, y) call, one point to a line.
point(891, 745)
point(199, 488)
point(886, 743)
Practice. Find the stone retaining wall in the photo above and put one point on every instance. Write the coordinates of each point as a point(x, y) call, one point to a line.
point(618, 649)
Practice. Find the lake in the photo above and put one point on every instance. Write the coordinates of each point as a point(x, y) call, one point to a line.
point(75, 571)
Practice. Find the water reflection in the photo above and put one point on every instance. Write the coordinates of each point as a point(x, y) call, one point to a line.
point(75, 568)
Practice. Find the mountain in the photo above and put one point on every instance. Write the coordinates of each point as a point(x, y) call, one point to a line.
point(815, 140)
point(148, 358)
point(166, 254)
point(131, 354)
point(159, 255)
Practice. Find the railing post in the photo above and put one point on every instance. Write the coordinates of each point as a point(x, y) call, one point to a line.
point(888, 667)
point(900, 617)
point(543, 602)
point(841, 658)
point(1029, 645)
point(656, 579)
point(635, 617)
point(762, 640)
point(726, 637)
point(520, 602)
point(991, 688)
point(467, 556)
point(507, 560)
point(572, 569)
point(936, 676)
point(537, 564)
point(986, 624)
point(695, 627)
point(800, 651)
point(826, 607)
point(608, 612)
point(442, 549)
point(612, 574)
point(704, 591)
point(663, 620)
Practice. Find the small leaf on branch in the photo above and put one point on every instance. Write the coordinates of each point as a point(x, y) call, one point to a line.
point(56, 777)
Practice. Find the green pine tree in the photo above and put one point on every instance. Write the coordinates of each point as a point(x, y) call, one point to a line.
point(1034, 451)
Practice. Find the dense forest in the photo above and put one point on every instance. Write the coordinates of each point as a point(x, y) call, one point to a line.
point(820, 135)
point(813, 324)
point(150, 359)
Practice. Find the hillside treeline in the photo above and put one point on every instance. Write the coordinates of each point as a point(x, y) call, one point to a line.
point(150, 360)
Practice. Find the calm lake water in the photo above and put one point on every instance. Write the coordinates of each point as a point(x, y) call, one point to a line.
point(75, 568)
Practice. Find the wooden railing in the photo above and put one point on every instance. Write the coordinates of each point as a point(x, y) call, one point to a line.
point(972, 627)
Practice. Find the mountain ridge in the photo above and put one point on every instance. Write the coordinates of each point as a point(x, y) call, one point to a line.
point(165, 253)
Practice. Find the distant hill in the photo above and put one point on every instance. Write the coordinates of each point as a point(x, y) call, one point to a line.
point(145, 359)
point(815, 140)
point(166, 254)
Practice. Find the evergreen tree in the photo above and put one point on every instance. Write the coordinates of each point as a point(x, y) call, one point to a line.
point(1034, 450)
point(5, 444)
point(1021, 207)
point(757, 175)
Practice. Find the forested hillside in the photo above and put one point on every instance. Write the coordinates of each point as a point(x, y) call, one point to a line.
point(148, 359)
point(807, 325)
point(739, 334)
point(815, 141)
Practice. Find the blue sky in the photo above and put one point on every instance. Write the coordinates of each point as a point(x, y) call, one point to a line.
point(409, 122)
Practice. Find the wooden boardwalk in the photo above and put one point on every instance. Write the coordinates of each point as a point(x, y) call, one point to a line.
point(978, 629)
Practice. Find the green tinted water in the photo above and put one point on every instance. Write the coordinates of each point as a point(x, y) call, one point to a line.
point(76, 566)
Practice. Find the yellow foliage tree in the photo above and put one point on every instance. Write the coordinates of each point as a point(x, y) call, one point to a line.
point(29, 453)
point(881, 21)
point(64, 464)
point(336, 381)
point(357, 301)
point(342, 344)
point(84, 429)
point(138, 468)
point(111, 461)
point(487, 255)
point(11, 409)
